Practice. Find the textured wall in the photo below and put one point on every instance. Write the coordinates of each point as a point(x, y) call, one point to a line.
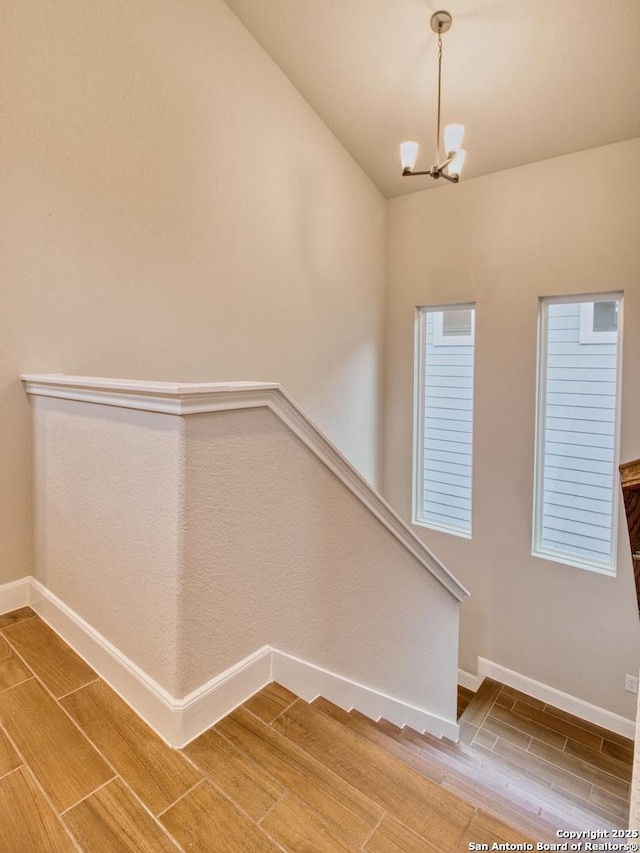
point(277, 551)
point(503, 241)
point(191, 542)
point(108, 513)
point(172, 208)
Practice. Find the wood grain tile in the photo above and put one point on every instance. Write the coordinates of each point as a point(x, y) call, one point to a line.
point(538, 770)
point(387, 727)
point(591, 815)
point(205, 820)
point(393, 837)
point(615, 806)
point(295, 826)
point(12, 670)
point(467, 731)
point(367, 728)
point(586, 726)
point(580, 768)
point(270, 701)
point(112, 819)
point(29, 824)
point(464, 698)
point(600, 760)
point(481, 703)
point(63, 761)
point(504, 701)
point(486, 829)
point(156, 773)
point(420, 804)
point(349, 811)
point(15, 616)
point(9, 758)
point(52, 660)
point(519, 808)
point(486, 739)
point(506, 732)
point(236, 775)
point(512, 693)
point(558, 724)
point(616, 750)
point(362, 723)
point(528, 726)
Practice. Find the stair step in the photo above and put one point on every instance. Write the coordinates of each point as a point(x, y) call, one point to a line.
point(375, 787)
point(348, 811)
point(478, 785)
point(533, 808)
point(363, 725)
point(417, 802)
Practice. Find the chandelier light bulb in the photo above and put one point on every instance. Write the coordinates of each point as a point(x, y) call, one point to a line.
point(408, 154)
point(455, 166)
point(453, 136)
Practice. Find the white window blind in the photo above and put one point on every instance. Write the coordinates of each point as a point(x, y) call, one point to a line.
point(444, 418)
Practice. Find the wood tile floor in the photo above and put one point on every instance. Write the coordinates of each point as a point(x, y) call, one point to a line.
point(80, 771)
point(589, 765)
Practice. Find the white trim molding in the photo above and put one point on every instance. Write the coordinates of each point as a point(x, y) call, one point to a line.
point(564, 701)
point(309, 681)
point(14, 595)
point(197, 397)
point(179, 721)
point(466, 679)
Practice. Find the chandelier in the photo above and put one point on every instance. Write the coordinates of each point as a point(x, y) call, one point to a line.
point(451, 167)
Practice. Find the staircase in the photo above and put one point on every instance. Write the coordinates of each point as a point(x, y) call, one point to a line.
point(356, 784)
point(79, 770)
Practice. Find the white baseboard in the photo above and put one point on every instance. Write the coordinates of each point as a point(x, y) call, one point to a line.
point(219, 696)
point(471, 682)
point(14, 595)
point(563, 701)
point(179, 721)
point(309, 681)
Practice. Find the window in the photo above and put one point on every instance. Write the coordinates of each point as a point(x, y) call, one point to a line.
point(577, 430)
point(444, 418)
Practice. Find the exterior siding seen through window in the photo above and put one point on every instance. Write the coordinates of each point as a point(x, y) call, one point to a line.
point(444, 418)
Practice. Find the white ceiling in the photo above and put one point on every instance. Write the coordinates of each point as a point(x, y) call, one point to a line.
point(530, 79)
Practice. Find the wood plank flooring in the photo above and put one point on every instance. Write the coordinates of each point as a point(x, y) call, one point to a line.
point(587, 764)
point(80, 771)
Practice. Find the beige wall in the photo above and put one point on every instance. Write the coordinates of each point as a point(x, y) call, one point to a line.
point(568, 225)
point(109, 506)
point(278, 551)
point(191, 542)
point(172, 208)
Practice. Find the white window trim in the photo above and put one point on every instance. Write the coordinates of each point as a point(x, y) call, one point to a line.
point(442, 340)
point(588, 335)
point(420, 342)
point(601, 567)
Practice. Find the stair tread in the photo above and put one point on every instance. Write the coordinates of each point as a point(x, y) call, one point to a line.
point(486, 783)
point(417, 802)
